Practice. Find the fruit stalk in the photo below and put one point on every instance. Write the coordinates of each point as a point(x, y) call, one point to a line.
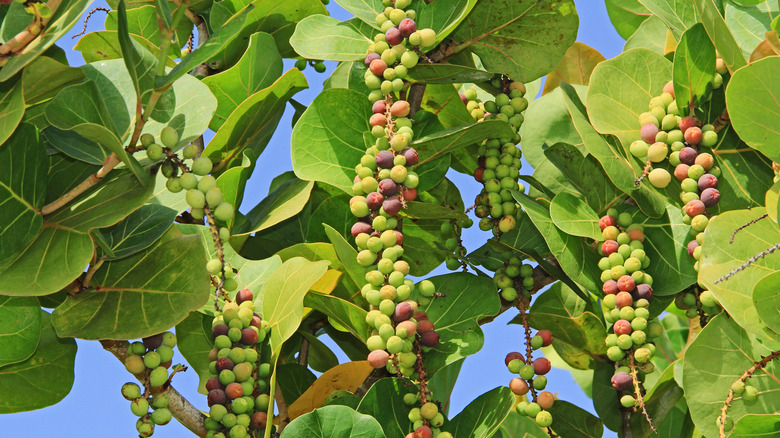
point(729, 398)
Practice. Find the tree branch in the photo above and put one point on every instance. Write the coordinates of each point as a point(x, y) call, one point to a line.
point(414, 97)
point(181, 409)
point(25, 37)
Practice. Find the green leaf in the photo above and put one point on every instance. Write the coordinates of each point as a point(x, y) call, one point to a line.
point(22, 189)
point(75, 146)
point(294, 379)
point(757, 426)
point(333, 422)
point(627, 16)
point(346, 314)
point(252, 123)
point(20, 328)
point(257, 69)
point(606, 400)
point(43, 379)
point(710, 379)
point(585, 174)
point(679, 15)
point(49, 263)
point(520, 426)
point(771, 202)
point(347, 74)
point(284, 203)
point(384, 402)
point(139, 295)
point(720, 34)
point(694, 64)
point(467, 299)
point(443, 383)
point(217, 41)
point(577, 259)
point(443, 17)
point(499, 33)
point(321, 358)
point(138, 230)
point(104, 45)
point(233, 181)
point(44, 77)
point(570, 319)
point(766, 299)
point(447, 74)
point(346, 254)
point(719, 257)
point(572, 421)
point(483, 416)
point(67, 14)
point(366, 10)
point(749, 23)
point(137, 65)
point(281, 297)
point(432, 147)
point(11, 109)
point(612, 155)
point(650, 35)
point(573, 216)
point(276, 18)
point(142, 21)
point(752, 98)
point(324, 37)
point(320, 153)
point(620, 89)
point(194, 342)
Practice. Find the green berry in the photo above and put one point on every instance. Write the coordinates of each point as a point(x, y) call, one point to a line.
point(154, 152)
point(544, 419)
point(195, 198)
point(131, 391)
point(201, 166)
point(169, 137)
point(139, 407)
point(224, 212)
point(146, 140)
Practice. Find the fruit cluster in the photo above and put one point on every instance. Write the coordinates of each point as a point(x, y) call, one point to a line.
point(201, 192)
point(451, 235)
point(238, 392)
point(532, 379)
point(149, 360)
point(627, 294)
point(499, 161)
point(513, 279)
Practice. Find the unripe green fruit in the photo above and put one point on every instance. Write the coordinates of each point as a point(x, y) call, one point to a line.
point(627, 401)
point(144, 428)
point(639, 149)
point(214, 266)
point(169, 137)
point(158, 376)
point(131, 391)
point(527, 372)
point(657, 152)
point(173, 185)
point(540, 382)
point(659, 178)
point(160, 400)
point(165, 352)
point(750, 394)
point(201, 166)
point(154, 152)
point(161, 416)
point(533, 409)
point(544, 419)
point(738, 387)
point(537, 342)
point(139, 407)
point(429, 410)
point(146, 140)
point(195, 198)
point(224, 212)
point(615, 354)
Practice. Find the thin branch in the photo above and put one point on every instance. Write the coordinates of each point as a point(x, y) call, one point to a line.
point(25, 37)
point(416, 92)
point(284, 416)
point(722, 121)
point(742, 227)
point(638, 390)
point(749, 262)
point(746, 375)
point(85, 185)
point(181, 409)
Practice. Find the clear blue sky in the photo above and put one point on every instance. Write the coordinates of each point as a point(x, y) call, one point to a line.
point(95, 407)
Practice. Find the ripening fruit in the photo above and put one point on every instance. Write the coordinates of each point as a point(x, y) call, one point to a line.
point(659, 178)
point(518, 386)
point(695, 207)
point(657, 152)
point(693, 136)
point(131, 391)
point(648, 133)
point(622, 327)
point(710, 197)
point(542, 366)
point(545, 400)
point(135, 364)
point(688, 122)
point(738, 387)
point(688, 155)
point(621, 381)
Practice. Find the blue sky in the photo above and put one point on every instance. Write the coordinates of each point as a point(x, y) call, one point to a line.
point(95, 407)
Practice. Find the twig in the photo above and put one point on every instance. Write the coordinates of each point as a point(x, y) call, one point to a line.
point(729, 398)
point(645, 171)
point(722, 120)
point(742, 227)
point(414, 98)
point(220, 254)
point(422, 381)
point(637, 390)
point(86, 20)
point(749, 262)
point(91, 272)
point(181, 409)
point(284, 417)
point(303, 357)
point(25, 37)
point(177, 369)
point(85, 185)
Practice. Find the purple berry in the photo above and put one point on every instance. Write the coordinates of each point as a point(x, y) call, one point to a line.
point(710, 197)
point(362, 227)
point(688, 156)
point(393, 36)
point(707, 181)
point(411, 156)
point(388, 187)
point(384, 159)
point(407, 26)
point(621, 381)
point(392, 205)
point(218, 330)
point(370, 57)
point(644, 291)
point(378, 108)
point(374, 201)
point(217, 397)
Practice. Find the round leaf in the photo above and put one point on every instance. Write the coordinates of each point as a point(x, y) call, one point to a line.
point(20, 328)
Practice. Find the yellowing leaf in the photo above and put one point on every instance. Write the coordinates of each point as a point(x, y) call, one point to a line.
point(327, 282)
point(348, 376)
point(575, 68)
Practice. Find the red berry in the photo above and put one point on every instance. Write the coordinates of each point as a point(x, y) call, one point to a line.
point(430, 338)
point(626, 283)
point(370, 57)
point(547, 337)
point(399, 237)
point(707, 181)
point(411, 156)
point(424, 325)
point(419, 316)
point(378, 107)
point(695, 207)
point(388, 187)
point(609, 247)
point(154, 341)
point(648, 133)
point(244, 295)
point(219, 330)
point(392, 205)
point(710, 197)
point(378, 358)
point(409, 326)
point(610, 287)
point(214, 383)
point(518, 386)
point(407, 26)
point(362, 227)
point(463, 98)
point(622, 381)
point(693, 135)
point(681, 171)
point(478, 174)
point(622, 327)
point(374, 200)
point(636, 234)
point(692, 245)
point(513, 355)
point(400, 108)
point(423, 432)
point(669, 88)
point(259, 420)
point(384, 159)
point(217, 397)
point(607, 221)
point(377, 67)
point(393, 36)
point(644, 291)
point(410, 194)
point(234, 390)
point(688, 122)
point(377, 120)
point(224, 364)
point(248, 336)
point(403, 311)
point(542, 366)
point(623, 299)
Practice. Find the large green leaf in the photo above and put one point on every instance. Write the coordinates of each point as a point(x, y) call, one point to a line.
point(194, 342)
point(520, 426)
point(679, 15)
point(75, 146)
point(284, 203)
point(321, 358)
point(217, 42)
point(573, 216)
point(384, 402)
point(627, 16)
point(707, 381)
point(346, 314)
point(44, 378)
point(483, 416)
point(577, 259)
point(258, 68)
point(347, 254)
point(104, 45)
point(320, 153)
point(757, 426)
point(606, 401)
point(11, 109)
point(44, 77)
point(719, 257)
point(694, 67)
point(572, 421)
point(140, 63)
point(294, 379)
point(753, 98)
point(749, 23)
point(447, 74)
point(140, 295)
point(720, 34)
point(22, 189)
point(49, 263)
point(281, 297)
point(523, 39)
point(650, 35)
point(276, 18)
point(467, 299)
point(233, 181)
point(620, 89)
point(142, 22)
point(63, 18)
point(569, 318)
point(349, 74)
point(252, 123)
point(333, 422)
point(433, 147)
point(137, 231)
point(443, 17)
point(20, 328)
point(767, 300)
point(323, 37)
